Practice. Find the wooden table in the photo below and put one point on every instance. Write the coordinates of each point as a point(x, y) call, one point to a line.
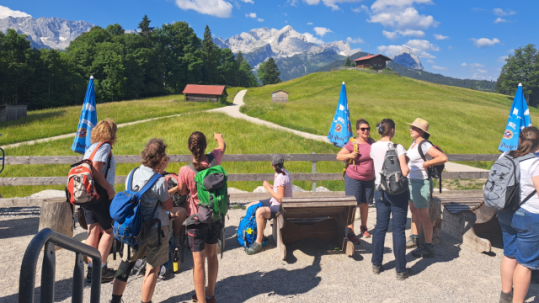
point(324, 218)
point(466, 216)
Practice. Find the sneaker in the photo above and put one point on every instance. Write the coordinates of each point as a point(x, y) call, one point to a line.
point(424, 251)
point(404, 275)
point(352, 237)
point(255, 247)
point(365, 231)
point(107, 275)
point(165, 274)
point(376, 269)
point(506, 297)
point(412, 241)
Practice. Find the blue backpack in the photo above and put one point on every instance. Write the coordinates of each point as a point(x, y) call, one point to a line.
point(248, 229)
point(129, 227)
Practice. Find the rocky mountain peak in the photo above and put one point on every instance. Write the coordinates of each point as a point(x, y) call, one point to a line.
point(407, 58)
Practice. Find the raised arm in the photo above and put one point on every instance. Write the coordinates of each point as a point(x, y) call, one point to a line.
point(220, 141)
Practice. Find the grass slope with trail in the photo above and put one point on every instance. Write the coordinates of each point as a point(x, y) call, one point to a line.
point(462, 120)
point(64, 120)
point(242, 137)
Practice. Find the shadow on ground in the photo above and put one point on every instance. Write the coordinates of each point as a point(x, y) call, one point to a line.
point(62, 291)
point(18, 227)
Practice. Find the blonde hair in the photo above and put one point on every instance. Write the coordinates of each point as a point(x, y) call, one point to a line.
point(105, 130)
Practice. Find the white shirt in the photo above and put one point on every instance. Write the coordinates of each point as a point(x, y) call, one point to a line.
point(378, 153)
point(416, 162)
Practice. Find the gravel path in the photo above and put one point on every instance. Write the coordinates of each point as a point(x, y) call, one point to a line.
point(313, 273)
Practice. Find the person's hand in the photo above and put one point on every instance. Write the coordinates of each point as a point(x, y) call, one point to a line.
point(217, 136)
point(167, 178)
point(425, 165)
point(266, 184)
point(111, 192)
point(353, 155)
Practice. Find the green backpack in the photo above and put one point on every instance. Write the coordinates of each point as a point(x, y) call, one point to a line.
point(212, 193)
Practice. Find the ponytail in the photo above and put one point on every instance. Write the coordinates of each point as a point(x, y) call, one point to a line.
point(529, 142)
point(197, 146)
point(279, 169)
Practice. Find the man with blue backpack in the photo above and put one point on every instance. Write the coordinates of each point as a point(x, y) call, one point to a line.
point(141, 220)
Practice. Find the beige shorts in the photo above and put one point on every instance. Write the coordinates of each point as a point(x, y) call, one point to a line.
point(155, 255)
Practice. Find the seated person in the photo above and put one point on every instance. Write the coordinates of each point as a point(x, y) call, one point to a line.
point(282, 187)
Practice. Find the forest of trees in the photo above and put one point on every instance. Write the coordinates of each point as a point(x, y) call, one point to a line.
point(151, 62)
point(521, 67)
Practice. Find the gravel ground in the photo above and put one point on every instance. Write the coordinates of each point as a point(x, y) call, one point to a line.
point(312, 273)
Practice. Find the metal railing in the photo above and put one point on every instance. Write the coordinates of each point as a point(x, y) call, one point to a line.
point(49, 239)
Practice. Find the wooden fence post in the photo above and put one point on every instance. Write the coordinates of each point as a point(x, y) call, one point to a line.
point(57, 214)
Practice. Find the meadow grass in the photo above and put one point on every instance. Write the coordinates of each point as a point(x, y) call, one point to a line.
point(462, 120)
point(241, 137)
point(58, 121)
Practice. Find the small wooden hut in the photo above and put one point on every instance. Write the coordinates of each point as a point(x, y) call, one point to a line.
point(12, 112)
point(377, 62)
point(199, 93)
point(279, 96)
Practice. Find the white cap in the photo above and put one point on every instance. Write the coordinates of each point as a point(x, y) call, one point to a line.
point(520, 84)
point(91, 77)
point(343, 82)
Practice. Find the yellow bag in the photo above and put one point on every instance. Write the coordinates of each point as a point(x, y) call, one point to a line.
point(350, 161)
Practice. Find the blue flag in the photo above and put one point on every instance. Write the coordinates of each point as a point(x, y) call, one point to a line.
point(519, 117)
point(341, 129)
point(88, 120)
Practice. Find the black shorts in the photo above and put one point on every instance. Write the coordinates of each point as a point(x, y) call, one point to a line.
point(363, 191)
point(98, 213)
point(201, 234)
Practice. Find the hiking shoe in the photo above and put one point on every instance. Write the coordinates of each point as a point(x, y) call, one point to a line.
point(107, 275)
point(404, 275)
point(165, 274)
point(412, 241)
point(376, 269)
point(365, 231)
point(352, 237)
point(255, 247)
point(424, 251)
point(210, 300)
point(506, 297)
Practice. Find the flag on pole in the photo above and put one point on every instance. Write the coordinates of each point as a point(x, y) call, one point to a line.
point(88, 120)
point(519, 118)
point(341, 129)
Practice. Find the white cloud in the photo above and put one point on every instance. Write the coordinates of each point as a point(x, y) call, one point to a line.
point(464, 64)
point(353, 41)
point(430, 61)
point(398, 18)
point(500, 12)
point(502, 59)
point(412, 33)
point(392, 50)
point(260, 20)
point(330, 3)
point(484, 42)
point(248, 1)
point(321, 31)
point(250, 15)
point(499, 20)
point(292, 2)
point(312, 39)
point(309, 23)
point(384, 4)
point(423, 45)
point(7, 12)
point(390, 35)
point(217, 8)
point(482, 71)
point(439, 67)
point(360, 9)
point(440, 37)
point(476, 65)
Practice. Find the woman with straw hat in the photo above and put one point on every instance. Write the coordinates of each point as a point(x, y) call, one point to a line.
point(421, 185)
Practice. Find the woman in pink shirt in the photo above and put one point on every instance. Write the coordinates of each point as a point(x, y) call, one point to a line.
point(282, 187)
point(359, 178)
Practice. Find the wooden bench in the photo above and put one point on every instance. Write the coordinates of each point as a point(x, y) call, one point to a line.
point(324, 218)
point(464, 216)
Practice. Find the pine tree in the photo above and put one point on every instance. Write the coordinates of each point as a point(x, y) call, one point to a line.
point(144, 26)
point(210, 51)
point(268, 72)
point(348, 61)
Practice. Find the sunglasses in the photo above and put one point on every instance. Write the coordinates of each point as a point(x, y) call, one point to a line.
point(365, 129)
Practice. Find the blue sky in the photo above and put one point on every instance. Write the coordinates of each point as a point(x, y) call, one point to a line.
point(464, 39)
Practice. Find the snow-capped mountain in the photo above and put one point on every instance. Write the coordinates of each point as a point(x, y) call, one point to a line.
point(407, 58)
point(46, 32)
point(283, 43)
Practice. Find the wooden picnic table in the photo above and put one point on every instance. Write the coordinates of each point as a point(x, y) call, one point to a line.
point(324, 218)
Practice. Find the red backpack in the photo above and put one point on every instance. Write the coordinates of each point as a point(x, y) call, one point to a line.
point(81, 187)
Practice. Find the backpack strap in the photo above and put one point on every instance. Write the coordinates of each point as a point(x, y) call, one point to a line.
point(211, 160)
point(148, 184)
point(91, 158)
point(420, 149)
point(130, 180)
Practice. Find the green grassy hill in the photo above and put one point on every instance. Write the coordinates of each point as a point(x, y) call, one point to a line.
point(462, 120)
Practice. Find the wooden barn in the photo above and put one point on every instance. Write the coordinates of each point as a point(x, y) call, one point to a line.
point(199, 93)
point(12, 112)
point(279, 96)
point(377, 62)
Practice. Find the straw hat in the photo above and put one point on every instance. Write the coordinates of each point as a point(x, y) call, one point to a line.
point(421, 124)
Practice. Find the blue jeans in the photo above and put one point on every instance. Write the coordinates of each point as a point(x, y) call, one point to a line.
point(398, 207)
point(521, 237)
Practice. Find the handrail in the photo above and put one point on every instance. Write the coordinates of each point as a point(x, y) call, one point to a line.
point(49, 238)
point(21, 160)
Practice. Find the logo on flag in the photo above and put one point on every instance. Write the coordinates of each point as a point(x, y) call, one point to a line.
point(508, 134)
point(81, 133)
point(338, 128)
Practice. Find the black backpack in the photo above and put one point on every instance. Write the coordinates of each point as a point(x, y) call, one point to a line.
point(434, 172)
point(391, 179)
